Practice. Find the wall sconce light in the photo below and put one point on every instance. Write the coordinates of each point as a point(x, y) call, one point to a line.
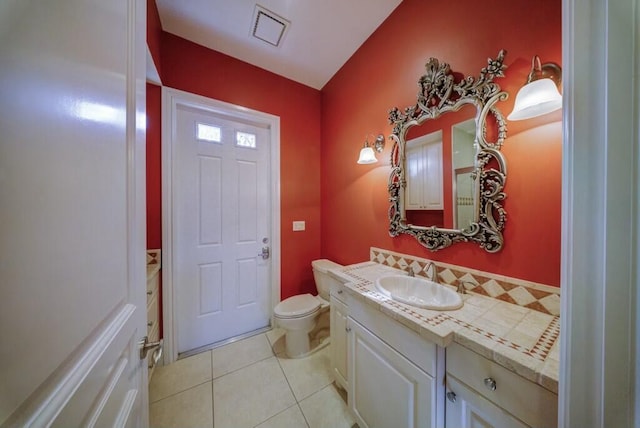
point(540, 94)
point(367, 155)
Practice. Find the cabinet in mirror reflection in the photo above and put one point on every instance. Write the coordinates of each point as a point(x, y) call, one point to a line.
point(424, 172)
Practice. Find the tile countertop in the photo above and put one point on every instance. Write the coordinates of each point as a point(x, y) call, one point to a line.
point(522, 340)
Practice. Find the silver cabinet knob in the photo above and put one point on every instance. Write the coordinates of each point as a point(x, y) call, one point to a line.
point(490, 383)
point(451, 396)
point(348, 329)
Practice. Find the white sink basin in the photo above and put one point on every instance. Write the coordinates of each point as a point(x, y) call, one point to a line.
point(419, 292)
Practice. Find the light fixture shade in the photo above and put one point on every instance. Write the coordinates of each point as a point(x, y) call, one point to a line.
point(535, 99)
point(367, 156)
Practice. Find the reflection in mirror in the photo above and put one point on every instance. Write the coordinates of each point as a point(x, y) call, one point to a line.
point(447, 173)
point(424, 192)
point(430, 145)
point(463, 149)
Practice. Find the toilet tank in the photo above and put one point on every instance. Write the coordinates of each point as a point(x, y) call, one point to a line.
point(322, 277)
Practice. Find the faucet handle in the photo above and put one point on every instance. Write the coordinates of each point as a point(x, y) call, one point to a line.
point(461, 286)
point(431, 266)
point(410, 271)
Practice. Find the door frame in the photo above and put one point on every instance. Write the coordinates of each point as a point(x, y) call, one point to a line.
point(171, 99)
point(599, 383)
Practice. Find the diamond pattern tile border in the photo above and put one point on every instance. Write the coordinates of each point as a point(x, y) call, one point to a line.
point(539, 297)
point(540, 350)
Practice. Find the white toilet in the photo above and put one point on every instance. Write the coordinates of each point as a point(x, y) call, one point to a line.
point(298, 315)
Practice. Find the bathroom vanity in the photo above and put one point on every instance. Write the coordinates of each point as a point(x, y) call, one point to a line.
point(153, 304)
point(412, 367)
point(339, 334)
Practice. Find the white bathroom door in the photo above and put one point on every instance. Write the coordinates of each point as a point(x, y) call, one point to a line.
point(72, 213)
point(221, 236)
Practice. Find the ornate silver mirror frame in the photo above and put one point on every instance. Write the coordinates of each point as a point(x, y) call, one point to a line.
point(440, 93)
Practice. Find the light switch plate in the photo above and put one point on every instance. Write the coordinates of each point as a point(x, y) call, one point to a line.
point(298, 226)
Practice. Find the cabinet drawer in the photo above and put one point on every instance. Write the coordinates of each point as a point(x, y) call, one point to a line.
point(469, 409)
point(337, 292)
point(524, 399)
point(339, 306)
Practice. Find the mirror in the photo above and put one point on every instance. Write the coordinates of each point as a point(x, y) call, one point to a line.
point(447, 172)
point(463, 155)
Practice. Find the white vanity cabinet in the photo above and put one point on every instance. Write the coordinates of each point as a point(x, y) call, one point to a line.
point(424, 189)
point(395, 376)
point(338, 328)
point(481, 393)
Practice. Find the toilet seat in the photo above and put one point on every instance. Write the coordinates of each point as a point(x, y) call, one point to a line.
point(298, 306)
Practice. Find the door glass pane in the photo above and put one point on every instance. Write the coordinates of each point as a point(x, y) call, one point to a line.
point(207, 133)
point(244, 139)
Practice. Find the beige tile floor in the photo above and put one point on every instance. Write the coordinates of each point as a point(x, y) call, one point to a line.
point(249, 383)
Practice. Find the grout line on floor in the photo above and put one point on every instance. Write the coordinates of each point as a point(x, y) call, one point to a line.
point(282, 411)
point(287, 379)
point(181, 391)
point(241, 368)
point(303, 415)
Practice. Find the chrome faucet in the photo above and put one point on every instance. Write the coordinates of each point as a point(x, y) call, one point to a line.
point(461, 288)
point(410, 271)
point(434, 271)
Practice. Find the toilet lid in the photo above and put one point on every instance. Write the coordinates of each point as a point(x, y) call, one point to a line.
point(297, 306)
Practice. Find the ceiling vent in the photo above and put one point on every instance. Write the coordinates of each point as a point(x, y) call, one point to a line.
point(268, 27)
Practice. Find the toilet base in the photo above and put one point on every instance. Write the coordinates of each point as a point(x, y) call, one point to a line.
point(299, 344)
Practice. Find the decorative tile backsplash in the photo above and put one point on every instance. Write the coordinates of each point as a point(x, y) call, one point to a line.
point(539, 297)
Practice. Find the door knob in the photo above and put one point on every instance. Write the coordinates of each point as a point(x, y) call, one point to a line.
point(146, 346)
point(265, 253)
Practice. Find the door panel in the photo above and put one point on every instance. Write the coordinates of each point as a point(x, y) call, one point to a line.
point(210, 199)
point(72, 252)
point(221, 216)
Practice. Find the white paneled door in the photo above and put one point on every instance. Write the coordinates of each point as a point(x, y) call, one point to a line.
point(72, 213)
point(221, 226)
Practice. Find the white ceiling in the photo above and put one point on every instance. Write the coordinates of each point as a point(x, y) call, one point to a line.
point(322, 36)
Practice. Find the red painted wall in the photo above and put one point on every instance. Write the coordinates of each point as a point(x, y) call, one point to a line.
point(154, 164)
point(154, 33)
point(383, 74)
point(196, 69)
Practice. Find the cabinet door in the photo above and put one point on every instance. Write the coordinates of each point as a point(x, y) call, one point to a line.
point(416, 165)
point(338, 330)
point(385, 388)
point(466, 408)
point(423, 169)
point(433, 179)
